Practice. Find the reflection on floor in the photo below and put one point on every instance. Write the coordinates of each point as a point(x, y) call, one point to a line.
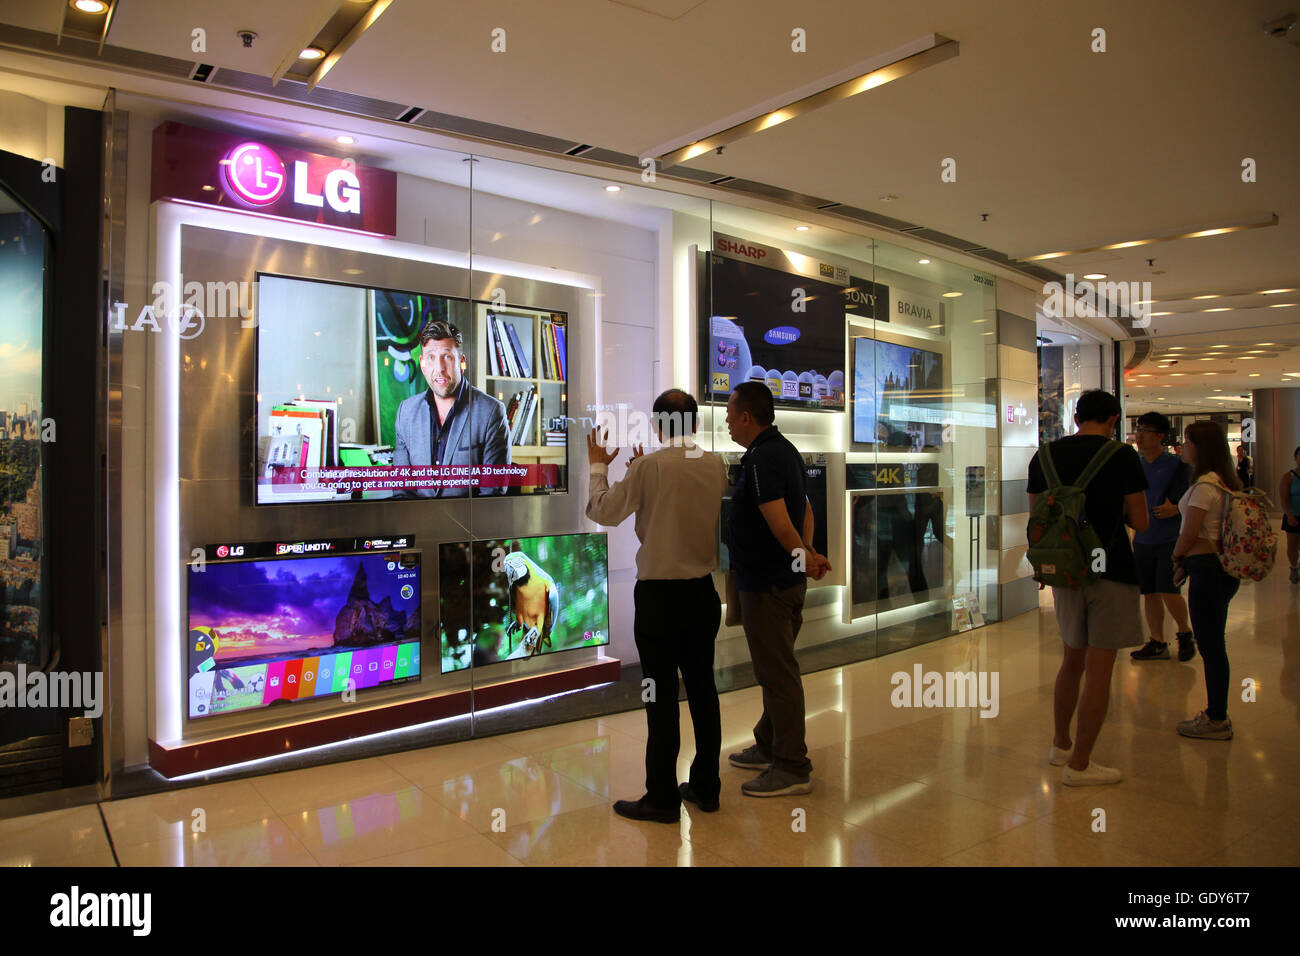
point(893, 786)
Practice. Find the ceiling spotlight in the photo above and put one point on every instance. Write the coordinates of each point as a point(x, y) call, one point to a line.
point(311, 53)
point(802, 228)
point(345, 140)
point(1095, 275)
point(951, 295)
point(1215, 296)
point(613, 189)
point(924, 262)
point(1282, 305)
point(1253, 375)
point(89, 6)
point(1275, 291)
point(1222, 308)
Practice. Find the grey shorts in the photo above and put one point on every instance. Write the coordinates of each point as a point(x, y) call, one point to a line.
point(1105, 614)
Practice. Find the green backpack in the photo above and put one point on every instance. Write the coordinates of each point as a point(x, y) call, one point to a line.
point(1062, 541)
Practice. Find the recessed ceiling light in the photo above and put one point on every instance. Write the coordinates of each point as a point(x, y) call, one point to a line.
point(1266, 343)
point(1162, 313)
point(1222, 308)
point(1095, 275)
point(89, 6)
point(924, 262)
point(802, 228)
point(1211, 373)
point(1282, 305)
point(613, 189)
point(1177, 348)
point(1275, 291)
point(1253, 375)
point(951, 295)
point(1177, 374)
point(1214, 296)
point(311, 53)
point(345, 140)
point(1218, 346)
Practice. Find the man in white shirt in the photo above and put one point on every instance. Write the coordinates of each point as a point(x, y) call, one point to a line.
point(676, 495)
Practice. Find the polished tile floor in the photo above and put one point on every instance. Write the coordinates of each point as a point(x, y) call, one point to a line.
point(893, 786)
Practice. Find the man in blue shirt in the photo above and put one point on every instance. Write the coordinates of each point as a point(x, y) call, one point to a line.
point(770, 540)
point(1153, 549)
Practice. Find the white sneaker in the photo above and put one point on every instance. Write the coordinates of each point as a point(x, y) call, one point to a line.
point(1058, 757)
point(1094, 776)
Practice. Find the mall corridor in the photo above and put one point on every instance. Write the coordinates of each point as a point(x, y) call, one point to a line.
point(893, 786)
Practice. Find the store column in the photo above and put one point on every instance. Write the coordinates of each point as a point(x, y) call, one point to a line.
point(1017, 407)
point(1277, 433)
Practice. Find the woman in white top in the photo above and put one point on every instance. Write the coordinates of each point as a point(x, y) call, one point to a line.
point(1196, 559)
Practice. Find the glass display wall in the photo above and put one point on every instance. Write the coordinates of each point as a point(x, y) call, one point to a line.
point(880, 362)
point(335, 527)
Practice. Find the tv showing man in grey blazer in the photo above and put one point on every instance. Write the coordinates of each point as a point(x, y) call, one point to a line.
point(452, 423)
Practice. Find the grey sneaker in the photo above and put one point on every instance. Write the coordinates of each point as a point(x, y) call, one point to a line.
point(1201, 726)
point(751, 758)
point(776, 783)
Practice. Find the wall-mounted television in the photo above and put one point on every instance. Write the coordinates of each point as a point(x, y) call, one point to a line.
point(783, 330)
point(513, 599)
point(898, 399)
point(351, 408)
point(268, 630)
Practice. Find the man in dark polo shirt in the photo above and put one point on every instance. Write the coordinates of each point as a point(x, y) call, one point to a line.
point(771, 560)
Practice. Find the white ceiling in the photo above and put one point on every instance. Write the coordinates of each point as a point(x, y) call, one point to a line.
point(1062, 147)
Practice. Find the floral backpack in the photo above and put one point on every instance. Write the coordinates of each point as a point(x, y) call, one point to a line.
point(1247, 541)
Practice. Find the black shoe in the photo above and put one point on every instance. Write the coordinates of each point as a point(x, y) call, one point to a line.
point(1186, 646)
point(708, 806)
point(1151, 651)
point(643, 809)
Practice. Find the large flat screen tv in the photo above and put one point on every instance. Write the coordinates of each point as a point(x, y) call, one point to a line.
point(899, 402)
point(516, 598)
point(266, 631)
point(350, 407)
point(783, 330)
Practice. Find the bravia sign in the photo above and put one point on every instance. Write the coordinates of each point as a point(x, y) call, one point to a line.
point(240, 173)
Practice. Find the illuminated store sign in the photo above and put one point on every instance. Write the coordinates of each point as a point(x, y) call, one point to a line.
point(239, 173)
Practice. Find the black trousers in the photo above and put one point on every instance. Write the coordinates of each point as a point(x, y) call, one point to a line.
point(675, 625)
point(1209, 590)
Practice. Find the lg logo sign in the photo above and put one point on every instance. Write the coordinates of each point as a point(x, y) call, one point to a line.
point(254, 174)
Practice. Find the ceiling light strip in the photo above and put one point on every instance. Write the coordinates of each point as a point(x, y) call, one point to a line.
point(1195, 234)
point(365, 23)
point(945, 49)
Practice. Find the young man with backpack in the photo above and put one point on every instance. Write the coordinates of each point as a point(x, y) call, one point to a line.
point(1083, 489)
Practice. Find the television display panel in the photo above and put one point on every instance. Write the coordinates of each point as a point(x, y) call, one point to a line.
point(266, 631)
point(351, 407)
point(898, 399)
point(755, 334)
point(898, 545)
point(518, 598)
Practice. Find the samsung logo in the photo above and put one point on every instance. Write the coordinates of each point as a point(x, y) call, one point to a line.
point(781, 335)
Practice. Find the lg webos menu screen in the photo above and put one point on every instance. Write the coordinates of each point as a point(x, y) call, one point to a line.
point(263, 632)
point(352, 407)
point(517, 598)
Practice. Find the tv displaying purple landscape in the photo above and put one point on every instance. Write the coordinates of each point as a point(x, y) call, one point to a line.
point(264, 631)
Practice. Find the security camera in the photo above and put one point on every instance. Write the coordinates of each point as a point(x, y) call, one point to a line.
point(1281, 26)
point(247, 36)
